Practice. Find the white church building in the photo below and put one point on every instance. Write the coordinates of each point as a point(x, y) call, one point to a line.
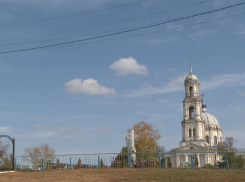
point(201, 131)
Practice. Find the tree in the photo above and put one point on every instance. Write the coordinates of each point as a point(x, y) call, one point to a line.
point(58, 164)
point(145, 137)
point(79, 163)
point(3, 150)
point(7, 162)
point(36, 154)
point(227, 148)
point(161, 150)
point(5, 159)
point(101, 163)
point(196, 162)
point(145, 141)
point(227, 145)
point(169, 164)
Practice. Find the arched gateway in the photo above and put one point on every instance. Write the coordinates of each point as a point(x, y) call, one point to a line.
point(13, 142)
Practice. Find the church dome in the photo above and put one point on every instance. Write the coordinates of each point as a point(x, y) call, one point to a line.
point(209, 119)
point(191, 77)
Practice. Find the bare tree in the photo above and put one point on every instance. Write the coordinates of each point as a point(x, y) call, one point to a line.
point(36, 154)
point(3, 151)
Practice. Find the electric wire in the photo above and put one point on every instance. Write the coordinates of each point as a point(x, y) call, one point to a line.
point(111, 23)
point(180, 27)
point(89, 12)
point(91, 38)
point(105, 31)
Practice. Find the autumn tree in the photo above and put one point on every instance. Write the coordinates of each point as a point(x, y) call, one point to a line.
point(36, 154)
point(101, 163)
point(146, 137)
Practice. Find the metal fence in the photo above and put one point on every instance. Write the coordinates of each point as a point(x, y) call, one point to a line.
point(132, 160)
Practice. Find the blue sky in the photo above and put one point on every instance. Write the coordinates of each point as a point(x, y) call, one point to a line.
point(82, 99)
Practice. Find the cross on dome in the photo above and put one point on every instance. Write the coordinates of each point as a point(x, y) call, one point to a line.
point(203, 97)
point(191, 65)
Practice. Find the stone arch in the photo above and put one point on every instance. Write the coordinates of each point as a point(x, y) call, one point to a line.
point(191, 112)
point(191, 91)
point(194, 132)
point(189, 132)
point(215, 139)
point(207, 139)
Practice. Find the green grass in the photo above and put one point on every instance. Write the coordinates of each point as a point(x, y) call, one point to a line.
point(127, 175)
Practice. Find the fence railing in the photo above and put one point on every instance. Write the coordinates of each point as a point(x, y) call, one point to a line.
point(197, 159)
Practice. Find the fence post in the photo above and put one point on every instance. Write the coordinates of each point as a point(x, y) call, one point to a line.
point(15, 165)
point(160, 165)
point(42, 164)
point(227, 163)
point(192, 162)
point(98, 161)
point(70, 162)
point(129, 160)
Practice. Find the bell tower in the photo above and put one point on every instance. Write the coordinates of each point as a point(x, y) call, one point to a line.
point(193, 129)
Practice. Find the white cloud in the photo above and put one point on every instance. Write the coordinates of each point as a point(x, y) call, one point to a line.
point(127, 66)
point(58, 128)
point(176, 84)
point(157, 41)
point(151, 117)
point(241, 29)
point(161, 125)
point(202, 33)
point(241, 93)
point(5, 129)
point(104, 129)
point(226, 80)
point(88, 86)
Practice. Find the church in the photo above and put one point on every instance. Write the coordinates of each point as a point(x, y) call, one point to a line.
point(201, 131)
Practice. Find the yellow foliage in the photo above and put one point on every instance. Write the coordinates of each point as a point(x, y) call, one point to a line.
point(145, 137)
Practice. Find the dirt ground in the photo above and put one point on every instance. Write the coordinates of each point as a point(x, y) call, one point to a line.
point(111, 175)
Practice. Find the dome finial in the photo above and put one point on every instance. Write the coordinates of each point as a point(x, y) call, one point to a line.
point(191, 65)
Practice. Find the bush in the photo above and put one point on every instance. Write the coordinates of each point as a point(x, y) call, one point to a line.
point(208, 166)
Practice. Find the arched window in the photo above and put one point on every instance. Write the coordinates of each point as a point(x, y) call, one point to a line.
point(194, 132)
point(220, 140)
point(207, 139)
point(191, 91)
point(189, 132)
point(215, 139)
point(191, 112)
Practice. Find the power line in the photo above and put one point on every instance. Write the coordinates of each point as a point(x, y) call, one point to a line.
point(70, 42)
point(89, 12)
point(203, 22)
point(107, 31)
point(96, 26)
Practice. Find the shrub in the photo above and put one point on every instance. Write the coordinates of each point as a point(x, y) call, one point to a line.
point(208, 166)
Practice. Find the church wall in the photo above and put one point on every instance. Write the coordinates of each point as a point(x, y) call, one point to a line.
point(212, 134)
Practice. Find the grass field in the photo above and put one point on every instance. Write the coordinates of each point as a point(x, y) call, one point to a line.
point(141, 175)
